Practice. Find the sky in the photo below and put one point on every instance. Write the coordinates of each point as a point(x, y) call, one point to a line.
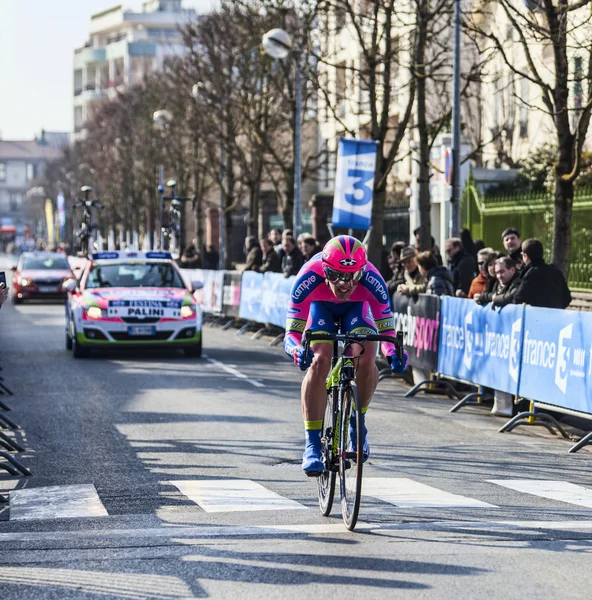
point(37, 42)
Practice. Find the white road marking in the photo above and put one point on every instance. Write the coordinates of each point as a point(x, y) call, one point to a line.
point(235, 372)
point(56, 502)
point(216, 531)
point(563, 491)
point(407, 493)
point(233, 495)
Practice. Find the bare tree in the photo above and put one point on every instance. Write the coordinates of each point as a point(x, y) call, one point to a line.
point(388, 52)
point(550, 49)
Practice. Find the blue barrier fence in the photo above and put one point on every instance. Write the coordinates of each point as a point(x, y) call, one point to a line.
point(481, 345)
point(265, 298)
point(538, 353)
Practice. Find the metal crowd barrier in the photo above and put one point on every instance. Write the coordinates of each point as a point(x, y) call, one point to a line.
point(10, 446)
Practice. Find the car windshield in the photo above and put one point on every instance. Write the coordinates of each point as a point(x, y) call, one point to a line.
point(156, 274)
point(45, 262)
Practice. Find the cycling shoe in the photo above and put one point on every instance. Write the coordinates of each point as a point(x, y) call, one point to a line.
point(312, 459)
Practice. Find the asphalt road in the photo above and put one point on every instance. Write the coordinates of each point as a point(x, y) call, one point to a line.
point(121, 447)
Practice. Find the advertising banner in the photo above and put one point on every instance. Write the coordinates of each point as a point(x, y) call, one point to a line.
point(231, 293)
point(251, 295)
point(354, 184)
point(557, 358)
point(481, 345)
point(210, 296)
point(275, 299)
point(418, 317)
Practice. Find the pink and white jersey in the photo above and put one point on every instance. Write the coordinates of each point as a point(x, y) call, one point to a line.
point(310, 286)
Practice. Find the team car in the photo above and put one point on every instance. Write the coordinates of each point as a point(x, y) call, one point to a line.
point(132, 299)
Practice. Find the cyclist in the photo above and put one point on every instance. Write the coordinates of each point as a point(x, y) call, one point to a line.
point(338, 283)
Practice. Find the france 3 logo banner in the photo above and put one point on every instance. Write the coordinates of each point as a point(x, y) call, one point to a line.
point(481, 345)
point(354, 184)
point(557, 358)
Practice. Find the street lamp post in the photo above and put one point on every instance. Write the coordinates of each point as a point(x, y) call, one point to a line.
point(277, 43)
point(161, 119)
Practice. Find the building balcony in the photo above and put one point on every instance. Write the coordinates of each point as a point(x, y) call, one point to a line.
point(124, 48)
point(84, 56)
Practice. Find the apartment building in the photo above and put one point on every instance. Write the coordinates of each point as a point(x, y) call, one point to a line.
point(123, 47)
point(504, 120)
point(21, 164)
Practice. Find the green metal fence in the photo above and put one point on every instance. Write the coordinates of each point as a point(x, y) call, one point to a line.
point(486, 216)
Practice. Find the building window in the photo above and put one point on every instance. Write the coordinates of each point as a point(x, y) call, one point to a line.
point(15, 201)
point(31, 171)
point(2, 171)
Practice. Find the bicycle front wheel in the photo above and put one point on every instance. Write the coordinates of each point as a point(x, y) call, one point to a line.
point(351, 461)
point(326, 482)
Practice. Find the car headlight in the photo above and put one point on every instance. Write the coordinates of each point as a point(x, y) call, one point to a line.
point(94, 312)
point(25, 281)
point(188, 310)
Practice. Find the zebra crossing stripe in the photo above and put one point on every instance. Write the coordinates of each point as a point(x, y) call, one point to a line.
point(56, 502)
point(407, 493)
point(563, 491)
point(234, 495)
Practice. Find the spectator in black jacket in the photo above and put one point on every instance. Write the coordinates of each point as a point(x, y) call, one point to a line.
point(211, 258)
point(508, 282)
point(271, 261)
point(254, 254)
point(462, 265)
point(439, 277)
point(513, 245)
point(292, 260)
point(540, 284)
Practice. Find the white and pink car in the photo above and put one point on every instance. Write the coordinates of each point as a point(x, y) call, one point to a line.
point(133, 299)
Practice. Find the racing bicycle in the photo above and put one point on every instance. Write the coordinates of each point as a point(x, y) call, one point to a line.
point(343, 401)
point(87, 228)
point(173, 231)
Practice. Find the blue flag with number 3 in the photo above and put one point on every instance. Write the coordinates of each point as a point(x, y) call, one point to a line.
point(354, 184)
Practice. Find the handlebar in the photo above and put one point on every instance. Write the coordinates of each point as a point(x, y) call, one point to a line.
point(353, 338)
point(308, 337)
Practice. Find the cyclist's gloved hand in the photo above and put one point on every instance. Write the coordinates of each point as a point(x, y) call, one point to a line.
point(396, 365)
point(302, 359)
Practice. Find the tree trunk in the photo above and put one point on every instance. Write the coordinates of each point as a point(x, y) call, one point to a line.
point(564, 193)
point(377, 230)
point(423, 178)
point(288, 210)
point(228, 240)
point(198, 199)
point(252, 219)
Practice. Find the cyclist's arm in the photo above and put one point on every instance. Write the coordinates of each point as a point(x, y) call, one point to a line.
point(378, 299)
point(301, 297)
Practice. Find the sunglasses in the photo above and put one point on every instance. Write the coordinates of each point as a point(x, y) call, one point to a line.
point(334, 276)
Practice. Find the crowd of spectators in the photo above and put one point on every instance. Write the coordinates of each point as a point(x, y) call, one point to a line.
point(279, 252)
point(519, 275)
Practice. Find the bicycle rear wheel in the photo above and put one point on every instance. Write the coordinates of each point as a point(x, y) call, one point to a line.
point(350, 463)
point(326, 482)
